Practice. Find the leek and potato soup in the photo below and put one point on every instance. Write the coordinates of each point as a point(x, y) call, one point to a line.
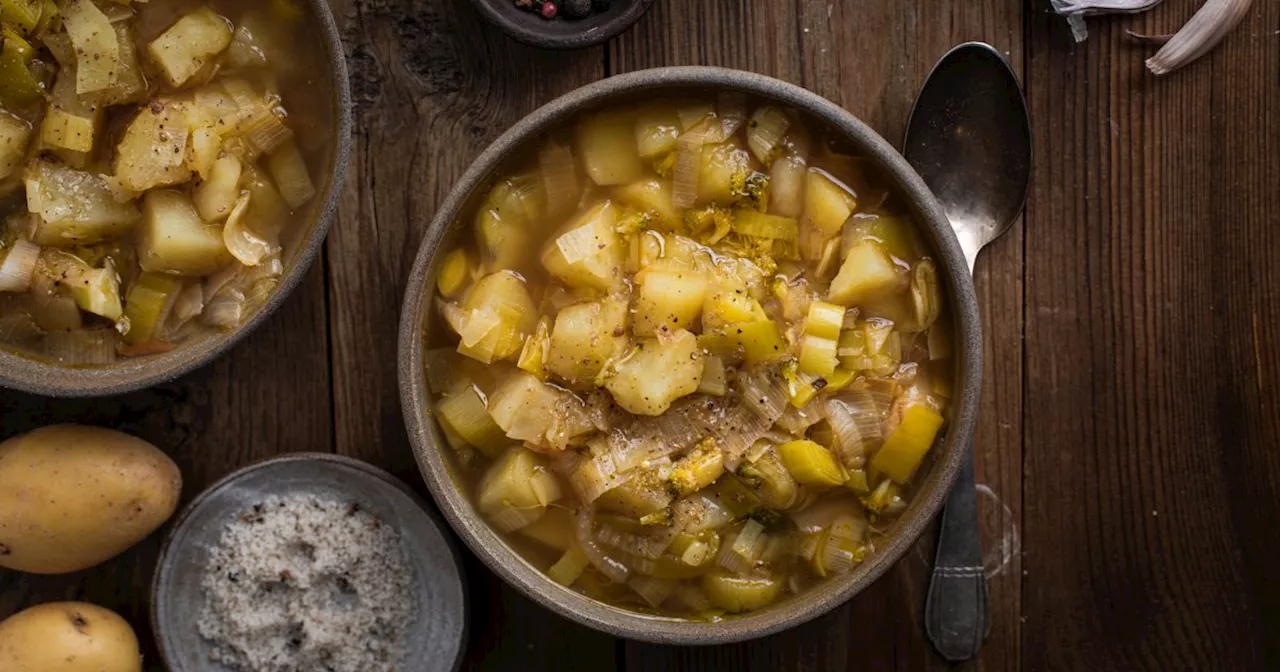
point(155, 159)
point(689, 357)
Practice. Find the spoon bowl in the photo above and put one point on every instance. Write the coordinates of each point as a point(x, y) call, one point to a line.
point(969, 137)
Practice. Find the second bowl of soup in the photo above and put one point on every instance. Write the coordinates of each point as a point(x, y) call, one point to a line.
point(167, 173)
point(685, 347)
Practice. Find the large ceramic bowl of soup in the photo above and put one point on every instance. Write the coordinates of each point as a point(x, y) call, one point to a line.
point(168, 171)
point(690, 355)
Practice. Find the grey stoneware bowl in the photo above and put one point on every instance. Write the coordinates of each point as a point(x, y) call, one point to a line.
point(562, 33)
point(429, 445)
point(329, 79)
point(433, 642)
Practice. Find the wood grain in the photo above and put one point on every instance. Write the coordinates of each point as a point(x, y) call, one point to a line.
point(434, 85)
point(1150, 494)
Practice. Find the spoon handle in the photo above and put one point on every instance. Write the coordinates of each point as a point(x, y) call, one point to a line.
point(957, 610)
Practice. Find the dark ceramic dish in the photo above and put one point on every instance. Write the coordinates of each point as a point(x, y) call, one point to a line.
point(126, 375)
point(939, 473)
point(434, 642)
point(562, 33)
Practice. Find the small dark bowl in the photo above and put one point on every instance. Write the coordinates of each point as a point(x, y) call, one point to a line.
point(434, 642)
point(53, 380)
point(937, 476)
point(562, 33)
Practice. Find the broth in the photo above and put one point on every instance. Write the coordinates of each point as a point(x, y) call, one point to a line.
point(689, 356)
point(156, 169)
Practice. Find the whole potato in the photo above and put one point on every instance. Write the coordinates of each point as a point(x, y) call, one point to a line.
point(68, 637)
point(72, 497)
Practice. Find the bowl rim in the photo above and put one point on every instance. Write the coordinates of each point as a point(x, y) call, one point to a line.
point(26, 374)
point(529, 34)
point(489, 546)
point(180, 520)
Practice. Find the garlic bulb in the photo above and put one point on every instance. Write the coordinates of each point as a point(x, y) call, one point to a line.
point(1076, 10)
point(1202, 33)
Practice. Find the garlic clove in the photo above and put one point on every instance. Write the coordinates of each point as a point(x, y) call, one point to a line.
point(1203, 32)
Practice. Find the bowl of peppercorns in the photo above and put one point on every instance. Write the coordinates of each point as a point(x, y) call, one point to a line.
point(562, 24)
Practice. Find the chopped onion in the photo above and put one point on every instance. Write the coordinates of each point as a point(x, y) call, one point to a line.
point(225, 310)
point(614, 570)
point(699, 513)
point(797, 420)
point(847, 441)
point(650, 545)
point(731, 110)
point(763, 392)
point(188, 306)
point(289, 170)
point(263, 129)
point(510, 518)
point(245, 245)
point(653, 591)
point(867, 411)
point(765, 133)
point(744, 552)
point(80, 347)
point(688, 168)
point(786, 186)
point(578, 244)
point(18, 266)
point(692, 597)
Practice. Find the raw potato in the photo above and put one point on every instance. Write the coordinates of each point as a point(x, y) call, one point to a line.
point(68, 637)
point(72, 497)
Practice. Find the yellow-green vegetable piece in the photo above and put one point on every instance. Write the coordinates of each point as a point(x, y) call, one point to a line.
point(465, 413)
point(73, 207)
point(656, 373)
point(508, 493)
point(825, 320)
point(736, 594)
point(811, 464)
point(868, 274)
point(150, 294)
point(18, 86)
point(906, 447)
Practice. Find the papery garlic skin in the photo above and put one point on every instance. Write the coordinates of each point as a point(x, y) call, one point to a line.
point(1202, 33)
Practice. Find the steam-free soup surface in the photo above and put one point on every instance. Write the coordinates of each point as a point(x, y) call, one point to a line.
point(156, 162)
point(690, 357)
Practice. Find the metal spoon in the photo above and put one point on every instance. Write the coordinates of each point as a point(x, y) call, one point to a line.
point(969, 137)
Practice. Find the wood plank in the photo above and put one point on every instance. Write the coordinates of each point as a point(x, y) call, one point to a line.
point(434, 85)
point(846, 54)
point(1151, 352)
point(269, 395)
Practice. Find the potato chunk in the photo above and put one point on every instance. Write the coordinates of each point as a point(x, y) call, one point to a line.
point(189, 44)
point(826, 204)
point(868, 274)
point(651, 196)
point(588, 254)
point(72, 207)
point(153, 152)
point(607, 143)
point(584, 337)
point(669, 300)
point(175, 240)
point(657, 373)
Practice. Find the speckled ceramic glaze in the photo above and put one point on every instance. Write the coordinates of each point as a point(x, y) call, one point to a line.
point(562, 33)
point(126, 375)
point(433, 642)
point(938, 474)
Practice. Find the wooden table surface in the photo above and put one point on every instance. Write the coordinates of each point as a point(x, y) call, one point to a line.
point(1129, 446)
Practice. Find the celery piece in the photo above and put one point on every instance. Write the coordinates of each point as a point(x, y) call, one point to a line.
point(811, 464)
point(817, 356)
point(634, 384)
point(905, 448)
point(714, 379)
point(825, 320)
point(147, 305)
point(190, 43)
point(606, 142)
point(867, 274)
point(465, 413)
point(289, 171)
point(569, 567)
point(455, 274)
point(668, 300)
point(760, 225)
point(827, 205)
point(737, 594)
point(926, 294)
point(18, 87)
point(761, 341)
